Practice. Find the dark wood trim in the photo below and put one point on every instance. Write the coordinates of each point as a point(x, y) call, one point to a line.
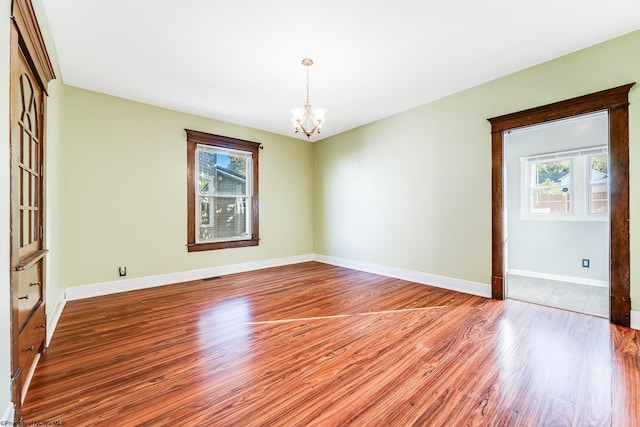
point(32, 42)
point(619, 250)
point(497, 252)
point(197, 247)
point(194, 138)
point(222, 141)
point(615, 101)
point(598, 101)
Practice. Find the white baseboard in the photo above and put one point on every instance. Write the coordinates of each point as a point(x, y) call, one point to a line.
point(54, 317)
point(116, 286)
point(27, 381)
point(112, 287)
point(560, 278)
point(106, 288)
point(466, 286)
point(7, 417)
point(635, 319)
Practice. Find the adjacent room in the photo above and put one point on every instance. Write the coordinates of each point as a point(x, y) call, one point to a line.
point(558, 213)
point(319, 214)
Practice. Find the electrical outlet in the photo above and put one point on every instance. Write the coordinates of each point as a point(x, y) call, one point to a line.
point(585, 263)
point(122, 271)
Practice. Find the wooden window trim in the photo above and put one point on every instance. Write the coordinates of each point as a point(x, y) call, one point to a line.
point(193, 139)
point(616, 102)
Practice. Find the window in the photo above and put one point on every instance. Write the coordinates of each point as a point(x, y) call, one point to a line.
point(222, 189)
point(551, 186)
point(572, 185)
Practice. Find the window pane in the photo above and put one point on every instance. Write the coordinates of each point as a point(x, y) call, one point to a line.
point(223, 218)
point(222, 173)
point(230, 217)
point(223, 199)
point(598, 184)
point(551, 190)
point(232, 175)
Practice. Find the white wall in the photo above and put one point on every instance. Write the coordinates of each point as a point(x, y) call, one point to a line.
point(552, 246)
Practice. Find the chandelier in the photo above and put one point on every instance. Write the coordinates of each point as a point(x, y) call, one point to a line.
point(305, 119)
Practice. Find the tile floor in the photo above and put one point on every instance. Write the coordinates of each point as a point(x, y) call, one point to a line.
point(569, 296)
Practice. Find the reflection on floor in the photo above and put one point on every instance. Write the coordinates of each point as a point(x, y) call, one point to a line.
point(569, 296)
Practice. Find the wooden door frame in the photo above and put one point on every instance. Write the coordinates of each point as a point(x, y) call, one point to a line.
point(616, 102)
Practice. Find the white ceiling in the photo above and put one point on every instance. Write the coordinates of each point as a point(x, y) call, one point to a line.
point(239, 61)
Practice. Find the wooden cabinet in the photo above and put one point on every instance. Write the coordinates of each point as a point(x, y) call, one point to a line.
point(31, 323)
point(31, 71)
point(31, 341)
point(29, 292)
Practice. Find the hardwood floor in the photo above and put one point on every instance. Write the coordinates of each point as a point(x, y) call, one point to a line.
point(317, 345)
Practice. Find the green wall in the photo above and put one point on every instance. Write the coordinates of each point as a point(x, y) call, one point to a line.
point(414, 190)
point(125, 198)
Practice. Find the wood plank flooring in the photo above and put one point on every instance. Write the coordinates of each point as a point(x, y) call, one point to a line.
point(318, 345)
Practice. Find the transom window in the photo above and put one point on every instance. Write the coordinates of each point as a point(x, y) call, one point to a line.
point(571, 185)
point(222, 191)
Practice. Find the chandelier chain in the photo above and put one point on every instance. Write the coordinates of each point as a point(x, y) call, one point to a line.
point(307, 67)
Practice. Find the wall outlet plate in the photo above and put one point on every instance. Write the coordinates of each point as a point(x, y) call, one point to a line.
point(122, 271)
point(585, 262)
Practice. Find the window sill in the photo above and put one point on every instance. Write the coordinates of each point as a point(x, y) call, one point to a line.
point(196, 247)
point(562, 218)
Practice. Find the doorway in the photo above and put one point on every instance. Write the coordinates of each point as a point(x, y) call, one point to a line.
point(616, 102)
point(557, 213)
